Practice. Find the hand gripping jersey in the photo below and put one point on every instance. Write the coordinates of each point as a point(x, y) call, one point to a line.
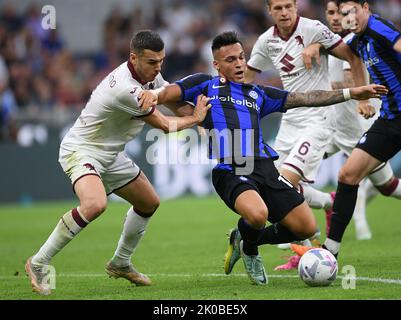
point(112, 117)
point(234, 119)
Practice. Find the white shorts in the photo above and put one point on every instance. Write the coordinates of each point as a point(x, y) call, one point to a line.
point(301, 149)
point(340, 142)
point(114, 176)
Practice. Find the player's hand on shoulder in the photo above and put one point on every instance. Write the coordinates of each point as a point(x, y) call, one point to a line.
point(310, 53)
point(147, 99)
point(201, 108)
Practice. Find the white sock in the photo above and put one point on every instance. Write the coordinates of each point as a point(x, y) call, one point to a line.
point(362, 229)
point(370, 189)
point(332, 246)
point(70, 224)
point(134, 229)
point(315, 198)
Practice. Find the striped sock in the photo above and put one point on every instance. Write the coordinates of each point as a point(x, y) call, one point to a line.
point(70, 224)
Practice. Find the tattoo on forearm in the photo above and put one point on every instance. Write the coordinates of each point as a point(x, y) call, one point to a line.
point(317, 98)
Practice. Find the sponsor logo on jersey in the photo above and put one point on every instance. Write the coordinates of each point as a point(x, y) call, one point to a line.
point(291, 75)
point(286, 61)
point(272, 51)
point(253, 94)
point(300, 41)
point(371, 62)
point(243, 102)
point(217, 87)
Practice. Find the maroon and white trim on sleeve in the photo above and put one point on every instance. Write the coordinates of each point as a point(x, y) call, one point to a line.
point(335, 45)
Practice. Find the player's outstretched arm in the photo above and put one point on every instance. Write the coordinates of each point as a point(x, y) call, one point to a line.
point(320, 98)
point(172, 124)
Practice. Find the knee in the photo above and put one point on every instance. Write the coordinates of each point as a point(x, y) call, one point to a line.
point(308, 230)
point(348, 176)
point(93, 208)
point(258, 218)
point(149, 208)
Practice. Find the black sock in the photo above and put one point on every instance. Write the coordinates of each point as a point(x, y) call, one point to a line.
point(343, 209)
point(276, 234)
point(250, 237)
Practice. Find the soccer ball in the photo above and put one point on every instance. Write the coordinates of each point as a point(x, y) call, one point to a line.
point(318, 268)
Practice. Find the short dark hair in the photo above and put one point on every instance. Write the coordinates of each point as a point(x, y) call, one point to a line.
point(225, 39)
point(361, 2)
point(268, 2)
point(146, 39)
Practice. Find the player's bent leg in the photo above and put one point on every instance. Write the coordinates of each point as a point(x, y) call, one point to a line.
point(357, 166)
point(300, 222)
point(92, 195)
point(145, 201)
point(141, 194)
point(385, 182)
point(254, 213)
point(362, 230)
point(316, 199)
point(291, 176)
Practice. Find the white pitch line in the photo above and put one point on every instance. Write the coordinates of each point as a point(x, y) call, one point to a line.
point(207, 275)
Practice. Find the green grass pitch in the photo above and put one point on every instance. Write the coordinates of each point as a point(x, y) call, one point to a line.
point(183, 251)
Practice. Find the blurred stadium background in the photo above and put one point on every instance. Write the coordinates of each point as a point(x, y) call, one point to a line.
point(46, 77)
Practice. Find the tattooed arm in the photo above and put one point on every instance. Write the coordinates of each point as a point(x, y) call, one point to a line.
point(320, 98)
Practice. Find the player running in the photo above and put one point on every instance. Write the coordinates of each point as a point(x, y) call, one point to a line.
point(349, 127)
point(304, 133)
point(92, 155)
point(378, 43)
point(245, 177)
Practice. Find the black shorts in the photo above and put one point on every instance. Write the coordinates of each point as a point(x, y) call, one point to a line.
point(277, 193)
point(383, 140)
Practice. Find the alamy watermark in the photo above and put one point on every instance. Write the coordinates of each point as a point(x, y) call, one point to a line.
point(349, 20)
point(348, 281)
point(49, 18)
point(49, 279)
point(234, 147)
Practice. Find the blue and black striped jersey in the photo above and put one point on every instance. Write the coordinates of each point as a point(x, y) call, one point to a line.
point(234, 119)
point(376, 47)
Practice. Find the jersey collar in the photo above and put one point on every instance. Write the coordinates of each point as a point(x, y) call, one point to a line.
point(276, 31)
point(134, 74)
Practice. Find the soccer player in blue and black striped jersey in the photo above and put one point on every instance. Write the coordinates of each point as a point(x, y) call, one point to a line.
point(246, 178)
point(378, 43)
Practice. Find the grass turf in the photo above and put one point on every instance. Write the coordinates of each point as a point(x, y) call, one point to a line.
point(183, 251)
